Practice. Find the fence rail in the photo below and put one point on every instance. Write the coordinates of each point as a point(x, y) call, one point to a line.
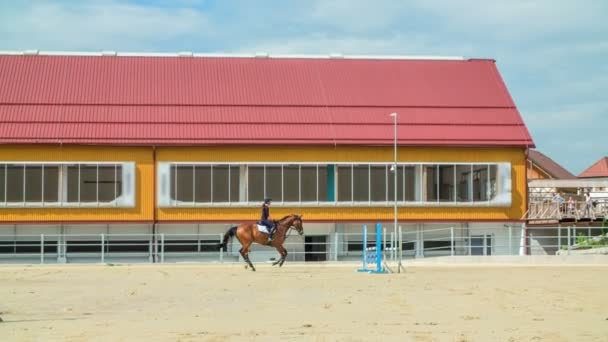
point(160, 248)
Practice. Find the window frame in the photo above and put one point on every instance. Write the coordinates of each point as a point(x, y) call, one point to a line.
point(126, 199)
point(418, 167)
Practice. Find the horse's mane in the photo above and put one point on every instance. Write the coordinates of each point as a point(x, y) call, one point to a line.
point(286, 217)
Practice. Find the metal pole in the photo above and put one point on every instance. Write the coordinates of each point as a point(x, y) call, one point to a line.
point(452, 241)
point(569, 240)
point(42, 248)
point(379, 246)
point(394, 115)
point(559, 237)
point(162, 248)
point(400, 246)
point(103, 248)
point(364, 246)
point(510, 238)
point(336, 246)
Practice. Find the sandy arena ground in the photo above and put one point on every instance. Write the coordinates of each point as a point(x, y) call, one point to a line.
point(302, 303)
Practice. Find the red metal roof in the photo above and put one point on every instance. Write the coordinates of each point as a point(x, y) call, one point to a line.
point(177, 100)
point(599, 169)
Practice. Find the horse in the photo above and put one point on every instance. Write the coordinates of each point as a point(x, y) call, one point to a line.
point(248, 233)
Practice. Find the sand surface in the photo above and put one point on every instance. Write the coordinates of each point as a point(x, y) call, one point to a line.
point(302, 303)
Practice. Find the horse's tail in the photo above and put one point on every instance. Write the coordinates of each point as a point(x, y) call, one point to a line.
point(229, 233)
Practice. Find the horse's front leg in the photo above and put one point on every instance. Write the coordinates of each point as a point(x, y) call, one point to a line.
point(283, 253)
point(245, 253)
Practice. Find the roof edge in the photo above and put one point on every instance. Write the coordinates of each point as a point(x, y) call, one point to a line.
point(232, 55)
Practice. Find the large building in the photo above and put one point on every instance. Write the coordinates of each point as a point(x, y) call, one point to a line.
point(106, 143)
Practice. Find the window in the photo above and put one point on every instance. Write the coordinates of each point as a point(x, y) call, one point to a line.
point(325, 184)
point(291, 183)
point(345, 183)
point(430, 183)
point(66, 184)
point(378, 183)
point(361, 183)
point(255, 183)
point(308, 179)
point(446, 183)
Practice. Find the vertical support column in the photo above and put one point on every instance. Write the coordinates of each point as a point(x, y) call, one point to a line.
point(42, 248)
point(452, 241)
point(378, 247)
point(162, 248)
point(569, 240)
point(559, 237)
point(364, 246)
point(336, 245)
point(242, 183)
point(510, 238)
point(103, 248)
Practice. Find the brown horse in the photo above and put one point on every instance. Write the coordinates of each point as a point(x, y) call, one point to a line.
point(248, 233)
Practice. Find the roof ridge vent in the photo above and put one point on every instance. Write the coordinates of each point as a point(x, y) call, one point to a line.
point(336, 55)
point(31, 52)
point(108, 53)
point(185, 54)
point(261, 55)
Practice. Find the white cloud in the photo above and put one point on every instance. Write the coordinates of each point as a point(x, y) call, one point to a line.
point(99, 25)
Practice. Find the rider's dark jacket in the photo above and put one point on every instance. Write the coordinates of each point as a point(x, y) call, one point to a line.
point(265, 213)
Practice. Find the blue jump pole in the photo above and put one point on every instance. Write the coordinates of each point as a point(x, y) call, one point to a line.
point(378, 251)
point(364, 269)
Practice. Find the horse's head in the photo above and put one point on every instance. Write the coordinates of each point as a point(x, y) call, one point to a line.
point(297, 224)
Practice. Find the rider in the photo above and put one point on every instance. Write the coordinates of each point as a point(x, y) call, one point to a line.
point(266, 221)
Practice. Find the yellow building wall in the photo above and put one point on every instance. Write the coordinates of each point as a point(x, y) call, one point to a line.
point(144, 179)
point(515, 156)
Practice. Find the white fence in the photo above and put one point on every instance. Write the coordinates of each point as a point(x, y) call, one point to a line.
point(171, 248)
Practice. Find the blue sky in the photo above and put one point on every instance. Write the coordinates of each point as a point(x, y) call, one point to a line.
point(552, 54)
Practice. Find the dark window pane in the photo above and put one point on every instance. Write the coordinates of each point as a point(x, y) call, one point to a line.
point(410, 183)
point(447, 184)
point(361, 183)
point(33, 183)
point(51, 183)
point(184, 177)
point(323, 176)
point(220, 183)
point(88, 183)
point(463, 177)
point(14, 183)
point(255, 183)
point(378, 183)
point(344, 183)
point(107, 182)
point(309, 183)
point(430, 177)
point(480, 183)
point(2, 181)
point(202, 184)
point(72, 183)
point(235, 184)
point(291, 183)
point(274, 183)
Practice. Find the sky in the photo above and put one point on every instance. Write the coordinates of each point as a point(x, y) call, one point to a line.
point(552, 54)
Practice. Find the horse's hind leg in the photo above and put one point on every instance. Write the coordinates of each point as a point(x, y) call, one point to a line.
point(245, 253)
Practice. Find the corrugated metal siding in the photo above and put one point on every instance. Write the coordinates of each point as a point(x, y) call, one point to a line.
point(200, 101)
point(353, 154)
point(144, 205)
